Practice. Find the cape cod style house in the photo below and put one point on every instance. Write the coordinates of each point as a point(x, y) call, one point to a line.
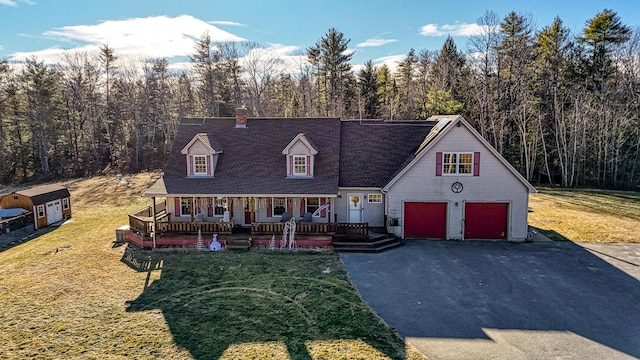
point(433, 179)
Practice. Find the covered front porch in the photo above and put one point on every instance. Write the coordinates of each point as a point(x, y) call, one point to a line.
point(157, 226)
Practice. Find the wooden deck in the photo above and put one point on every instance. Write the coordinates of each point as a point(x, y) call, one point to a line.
point(184, 233)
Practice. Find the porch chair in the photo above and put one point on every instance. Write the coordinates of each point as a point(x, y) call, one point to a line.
point(199, 217)
point(307, 217)
point(285, 217)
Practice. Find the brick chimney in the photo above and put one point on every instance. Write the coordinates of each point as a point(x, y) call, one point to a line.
point(241, 118)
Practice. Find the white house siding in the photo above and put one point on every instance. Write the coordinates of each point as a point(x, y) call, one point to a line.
point(496, 183)
point(198, 148)
point(299, 148)
point(372, 213)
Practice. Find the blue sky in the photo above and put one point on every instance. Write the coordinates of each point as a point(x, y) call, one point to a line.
point(382, 31)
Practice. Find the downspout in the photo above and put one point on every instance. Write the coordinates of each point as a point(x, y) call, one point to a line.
point(386, 211)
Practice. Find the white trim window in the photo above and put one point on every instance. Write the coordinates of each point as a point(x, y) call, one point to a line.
point(40, 211)
point(220, 206)
point(300, 165)
point(186, 203)
point(279, 207)
point(65, 203)
point(199, 165)
point(457, 163)
point(312, 205)
point(374, 198)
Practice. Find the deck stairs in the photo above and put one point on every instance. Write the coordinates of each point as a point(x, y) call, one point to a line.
point(373, 243)
point(238, 244)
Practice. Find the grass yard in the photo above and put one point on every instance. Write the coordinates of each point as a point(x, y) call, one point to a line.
point(586, 215)
point(71, 293)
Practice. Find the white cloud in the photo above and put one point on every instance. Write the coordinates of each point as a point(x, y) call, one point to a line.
point(155, 37)
point(375, 42)
point(349, 52)
point(458, 29)
point(290, 58)
point(391, 61)
point(430, 30)
point(14, 3)
point(226, 23)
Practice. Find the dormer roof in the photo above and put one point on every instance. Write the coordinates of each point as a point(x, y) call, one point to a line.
point(203, 138)
point(302, 138)
point(252, 163)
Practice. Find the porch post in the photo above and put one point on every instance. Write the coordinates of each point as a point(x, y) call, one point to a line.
point(193, 208)
point(153, 214)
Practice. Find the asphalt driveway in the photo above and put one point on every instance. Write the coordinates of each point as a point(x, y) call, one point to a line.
point(501, 300)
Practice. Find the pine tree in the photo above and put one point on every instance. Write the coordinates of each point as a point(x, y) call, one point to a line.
point(331, 57)
point(368, 91)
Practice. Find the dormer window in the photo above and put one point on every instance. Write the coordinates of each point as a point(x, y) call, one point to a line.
point(200, 165)
point(300, 157)
point(300, 165)
point(201, 156)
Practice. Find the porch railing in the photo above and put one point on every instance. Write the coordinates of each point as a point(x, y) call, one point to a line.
point(141, 221)
point(361, 229)
point(141, 225)
point(193, 227)
point(161, 209)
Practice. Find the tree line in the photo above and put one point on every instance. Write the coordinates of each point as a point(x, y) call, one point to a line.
point(563, 108)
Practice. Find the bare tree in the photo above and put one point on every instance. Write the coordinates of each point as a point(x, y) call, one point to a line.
point(262, 68)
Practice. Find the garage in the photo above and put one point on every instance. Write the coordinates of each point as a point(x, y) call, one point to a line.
point(427, 220)
point(486, 220)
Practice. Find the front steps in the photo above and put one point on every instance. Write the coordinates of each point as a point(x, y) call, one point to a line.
point(238, 244)
point(377, 244)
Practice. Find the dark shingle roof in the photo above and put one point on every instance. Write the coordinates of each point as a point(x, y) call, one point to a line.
point(42, 194)
point(252, 161)
point(373, 151)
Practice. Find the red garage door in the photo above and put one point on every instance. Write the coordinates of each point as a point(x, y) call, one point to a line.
point(425, 220)
point(486, 220)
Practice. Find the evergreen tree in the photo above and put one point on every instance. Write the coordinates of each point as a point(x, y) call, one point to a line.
point(387, 93)
point(368, 91)
point(331, 57)
point(602, 34)
point(406, 86)
point(204, 62)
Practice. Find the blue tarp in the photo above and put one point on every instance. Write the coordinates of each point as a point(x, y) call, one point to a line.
point(8, 213)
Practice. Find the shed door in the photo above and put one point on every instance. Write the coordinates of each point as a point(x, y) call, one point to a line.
point(54, 211)
point(427, 220)
point(486, 220)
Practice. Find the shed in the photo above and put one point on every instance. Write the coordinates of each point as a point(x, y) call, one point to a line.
point(49, 203)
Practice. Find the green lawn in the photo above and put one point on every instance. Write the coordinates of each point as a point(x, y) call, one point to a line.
point(73, 293)
point(586, 215)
